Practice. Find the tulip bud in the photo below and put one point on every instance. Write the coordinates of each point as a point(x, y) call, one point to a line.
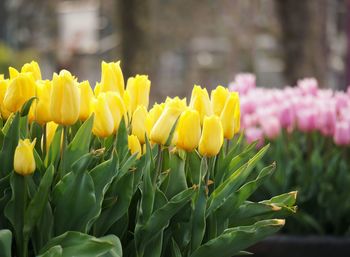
point(162, 128)
point(153, 116)
point(24, 163)
point(138, 89)
point(112, 78)
point(40, 109)
point(32, 67)
point(212, 136)
point(138, 123)
point(218, 99)
point(103, 120)
point(50, 133)
point(188, 130)
point(200, 101)
point(228, 116)
point(20, 90)
point(116, 105)
point(3, 88)
point(86, 97)
point(134, 145)
point(65, 99)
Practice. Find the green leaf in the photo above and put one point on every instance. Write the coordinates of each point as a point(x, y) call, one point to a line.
point(9, 146)
point(175, 250)
point(79, 145)
point(26, 106)
point(122, 140)
point(237, 239)
point(55, 251)
point(83, 245)
point(38, 202)
point(287, 199)
point(5, 243)
point(54, 149)
point(177, 177)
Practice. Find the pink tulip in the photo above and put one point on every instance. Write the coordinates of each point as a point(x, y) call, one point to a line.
point(306, 120)
point(243, 83)
point(342, 133)
point(271, 127)
point(308, 86)
point(254, 134)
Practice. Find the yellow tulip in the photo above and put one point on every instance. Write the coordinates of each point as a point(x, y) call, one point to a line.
point(212, 136)
point(138, 123)
point(65, 99)
point(13, 72)
point(153, 116)
point(138, 89)
point(228, 116)
point(3, 88)
point(40, 109)
point(162, 128)
point(103, 120)
point(51, 128)
point(32, 67)
point(134, 145)
point(112, 78)
point(200, 101)
point(97, 89)
point(218, 99)
point(86, 96)
point(237, 115)
point(116, 105)
point(24, 163)
point(20, 90)
point(188, 130)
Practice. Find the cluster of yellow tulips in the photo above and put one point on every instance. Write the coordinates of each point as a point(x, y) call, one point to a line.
point(202, 124)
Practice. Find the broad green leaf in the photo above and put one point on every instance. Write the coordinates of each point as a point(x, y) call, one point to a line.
point(54, 150)
point(287, 199)
point(5, 243)
point(55, 251)
point(175, 250)
point(26, 106)
point(177, 177)
point(122, 140)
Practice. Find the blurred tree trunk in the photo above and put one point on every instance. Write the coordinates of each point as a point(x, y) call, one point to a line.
point(135, 36)
point(303, 25)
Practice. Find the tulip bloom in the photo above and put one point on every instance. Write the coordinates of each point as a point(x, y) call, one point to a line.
point(271, 127)
point(86, 97)
point(112, 78)
point(51, 128)
point(342, 133)
point(200, 101)
point(138, 89)
point(134, 145)
point(13, 73)
point(65, 99)
point(188, 130)
point(227, 117)
point(153, 116)
point(41, 106)
point(138, 123)
point(116, 105)
point(3, 88)
point(24, 163)
point(32, 67)
point(212, 136)
point(103, 120)
point(20, 90)
point(218, 99)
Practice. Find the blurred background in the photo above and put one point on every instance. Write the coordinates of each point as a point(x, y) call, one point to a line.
point(179, 43)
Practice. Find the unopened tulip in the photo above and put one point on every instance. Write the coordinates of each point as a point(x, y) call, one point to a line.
point(41, 106)
point(97, 89)
point(218, 99)
point(112, 78)
point(200, 101)
point(117, 108)
point(138, 123)
point(65, 99)
point(51, 128)
point(342, 133)
point(212, 136)
point(3, 88)
point(227, 117)
point(103, 120)
point(153, 116)
point(138, 88)
point(188, 130)
point(134, 145)
point(20, 90)
point(32, 67)
point(86, 97)
point(237, 115)
point(271, 127)
point(24, 163)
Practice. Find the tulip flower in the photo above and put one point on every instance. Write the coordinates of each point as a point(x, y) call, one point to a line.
point(255, 134)
point(65, 99)
point(212, 136)
point(103, 120)
point(40, 109)
point(112, 78)
point(51, 128)
point(20, 90)
point(86, 97)
point(162, 128)
point(13, 73)
point(134, 145)
point(228, 119)
point(138, 89)
point(24, 163)
point(117, 108)
point(138, 123)
point(153, 116)
point(237, 114)
point(342, 133)
point(97, 89)
point(3, 88)
point(200, 101)
point(32, 67)
point(188, 130)
point(218, 99)
point(271, 127)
